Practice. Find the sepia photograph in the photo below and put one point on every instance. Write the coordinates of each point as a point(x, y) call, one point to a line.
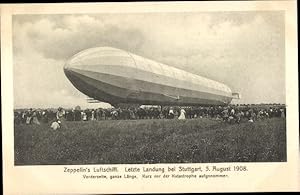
point(150, 97)
point(191, 87)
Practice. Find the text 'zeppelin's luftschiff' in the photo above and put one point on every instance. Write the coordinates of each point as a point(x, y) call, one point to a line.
point(116, 76)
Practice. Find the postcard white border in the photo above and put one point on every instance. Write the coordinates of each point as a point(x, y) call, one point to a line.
point(51, 179)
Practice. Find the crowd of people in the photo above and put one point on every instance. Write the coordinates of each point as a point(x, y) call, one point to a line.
point(231, 114)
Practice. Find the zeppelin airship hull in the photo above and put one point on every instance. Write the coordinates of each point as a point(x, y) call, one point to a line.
point(115, 76)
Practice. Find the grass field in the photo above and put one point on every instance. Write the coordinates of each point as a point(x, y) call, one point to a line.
point(151, 141)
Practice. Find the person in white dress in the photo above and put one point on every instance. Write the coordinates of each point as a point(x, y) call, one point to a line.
point(171, 113)
point(182, 114)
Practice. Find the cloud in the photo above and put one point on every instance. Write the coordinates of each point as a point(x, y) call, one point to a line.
point(241, 49)
point(61, 40)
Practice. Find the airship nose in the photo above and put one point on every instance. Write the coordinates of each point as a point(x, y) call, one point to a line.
point(69, 65)
point(70, 68)
point(72, 65)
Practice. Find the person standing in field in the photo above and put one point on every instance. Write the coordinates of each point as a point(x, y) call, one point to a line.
point(238, 116)
point(176, 113)
point(29, 117)
point(93, 115)
point(282, 113)
point(84, 116)
point(171, 113)
point(60, 116)
point(44, 117)
point(35, 118)
point(182, 114)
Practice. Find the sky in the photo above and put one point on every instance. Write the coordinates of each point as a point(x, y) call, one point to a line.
point(244, 50)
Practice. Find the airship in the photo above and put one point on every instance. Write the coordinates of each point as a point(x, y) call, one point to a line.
point(118, 77)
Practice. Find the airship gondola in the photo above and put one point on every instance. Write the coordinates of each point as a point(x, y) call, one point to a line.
point(116, 76)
